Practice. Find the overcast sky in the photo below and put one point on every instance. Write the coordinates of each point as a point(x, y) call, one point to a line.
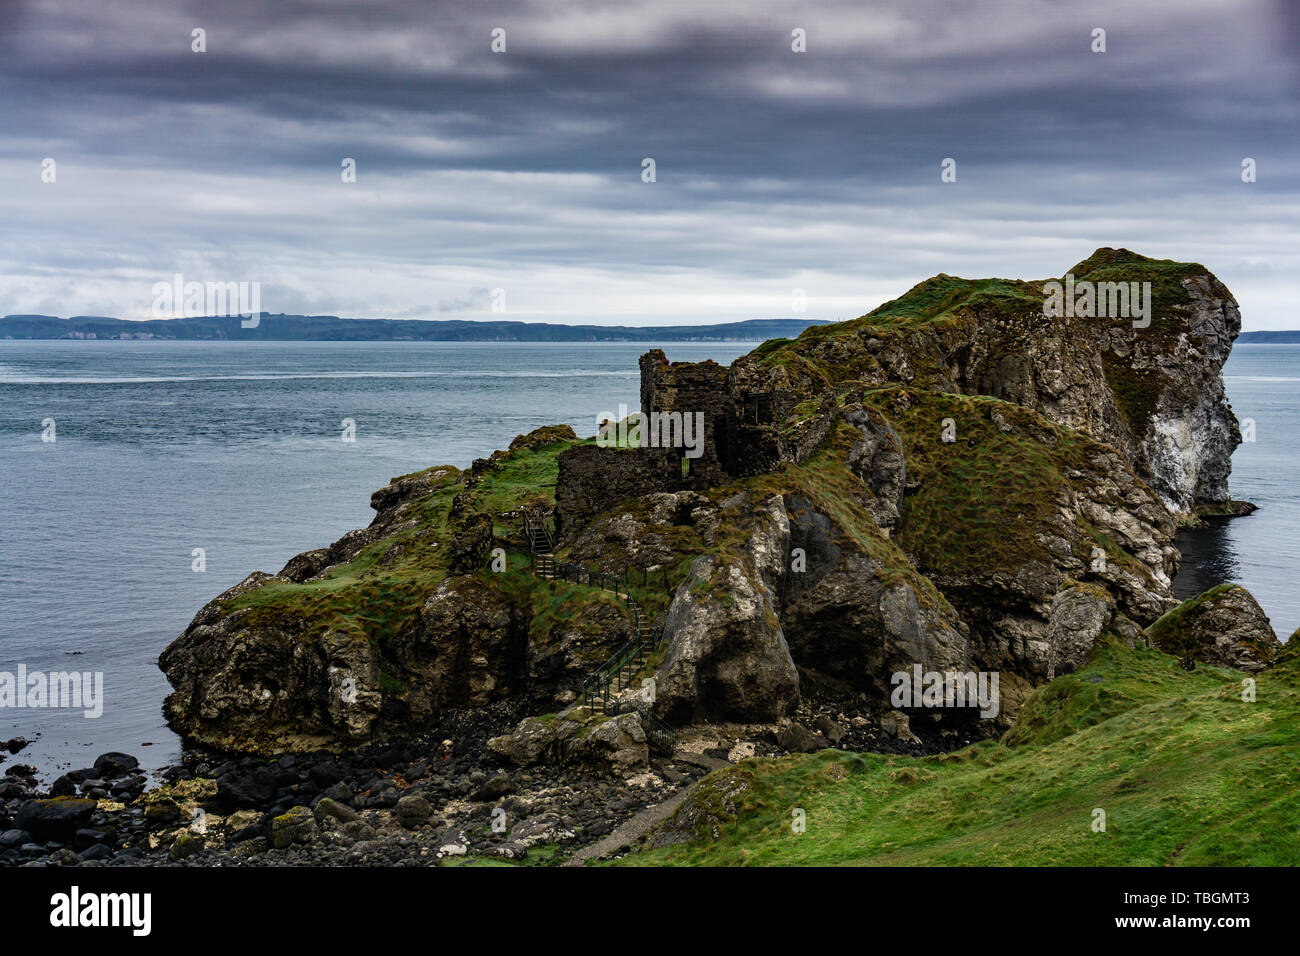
point(522, 170)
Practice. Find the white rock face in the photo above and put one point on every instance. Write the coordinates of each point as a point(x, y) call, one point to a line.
point(1179, 446)
point(1193, 431)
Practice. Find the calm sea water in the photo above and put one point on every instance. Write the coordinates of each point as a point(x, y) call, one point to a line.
point(162, 448)
point(1262, 550)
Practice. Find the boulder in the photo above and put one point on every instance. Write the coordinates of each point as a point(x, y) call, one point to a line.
point(530, 743)
point(576, 738)
point(727, 657)
point(413, 811)
point(297, 825)
point(187, 845)
point(494, 788)
point(895, 725)
point(110, 766)
point(327, 809)
point(56, 819)
point(617, 744)
point(1224, 627)
point(796, 738)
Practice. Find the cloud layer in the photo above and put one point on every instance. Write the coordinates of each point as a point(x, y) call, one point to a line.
point(522, 170)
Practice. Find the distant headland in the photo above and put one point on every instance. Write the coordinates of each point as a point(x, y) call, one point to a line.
point(280, 327)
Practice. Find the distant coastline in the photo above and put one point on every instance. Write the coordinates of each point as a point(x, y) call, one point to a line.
point(329, 328)
point(281, 327)
point(1289, 337)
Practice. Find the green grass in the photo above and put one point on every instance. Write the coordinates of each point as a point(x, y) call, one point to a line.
point(384, 586)
point(983, 502)
point(1007, 310)
point(1186, 772)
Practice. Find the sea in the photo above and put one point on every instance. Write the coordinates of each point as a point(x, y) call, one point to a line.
point(140, 479)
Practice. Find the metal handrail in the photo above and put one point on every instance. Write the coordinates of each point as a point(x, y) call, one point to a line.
point(603, 683)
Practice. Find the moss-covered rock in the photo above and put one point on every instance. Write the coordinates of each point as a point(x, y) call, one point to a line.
point(1225, 627)
point(390, 625)
point(578, 738)
point(296, 825)
point(979, 485)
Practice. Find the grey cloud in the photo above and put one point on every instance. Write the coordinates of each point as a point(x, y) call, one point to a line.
point(524, 169)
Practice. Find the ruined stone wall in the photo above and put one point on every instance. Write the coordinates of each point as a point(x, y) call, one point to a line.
point(690, 388)
point(747, 431)
point(747, 411)
point(592, 479)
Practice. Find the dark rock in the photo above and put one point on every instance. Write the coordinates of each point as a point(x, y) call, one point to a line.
point(495, 788)
point(829, 729)
point(244, 794)
point(797, 738)
point(326, 809)
point(162, 813)
point(97, 851)
point(340, 793)
point(55, 819)
point(109, 766)
point(84, 838)
point(413, 811)
point(248, 833)
point(326, 775)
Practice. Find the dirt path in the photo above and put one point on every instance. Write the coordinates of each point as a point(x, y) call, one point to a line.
point(627, 833)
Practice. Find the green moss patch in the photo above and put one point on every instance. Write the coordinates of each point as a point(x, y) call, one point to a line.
point(979, 503)
point(384, 586)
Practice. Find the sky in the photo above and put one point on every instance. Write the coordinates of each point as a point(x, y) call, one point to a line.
point(523, 170)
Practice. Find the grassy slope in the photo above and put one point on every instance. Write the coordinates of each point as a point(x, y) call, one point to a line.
point(942, 299)
point(385, 585)
point(978, 503)
point(1187, 773)
point(1007, 309)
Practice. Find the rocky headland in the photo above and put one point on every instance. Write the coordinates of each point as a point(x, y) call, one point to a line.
point(544, 652)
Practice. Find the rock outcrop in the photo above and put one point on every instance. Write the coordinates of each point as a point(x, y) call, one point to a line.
point(1153, 391)
point(856, 618)
point(960, 482)
point(727, 655)
point(1225, 627)
point(389, 627)
point(577, 739)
